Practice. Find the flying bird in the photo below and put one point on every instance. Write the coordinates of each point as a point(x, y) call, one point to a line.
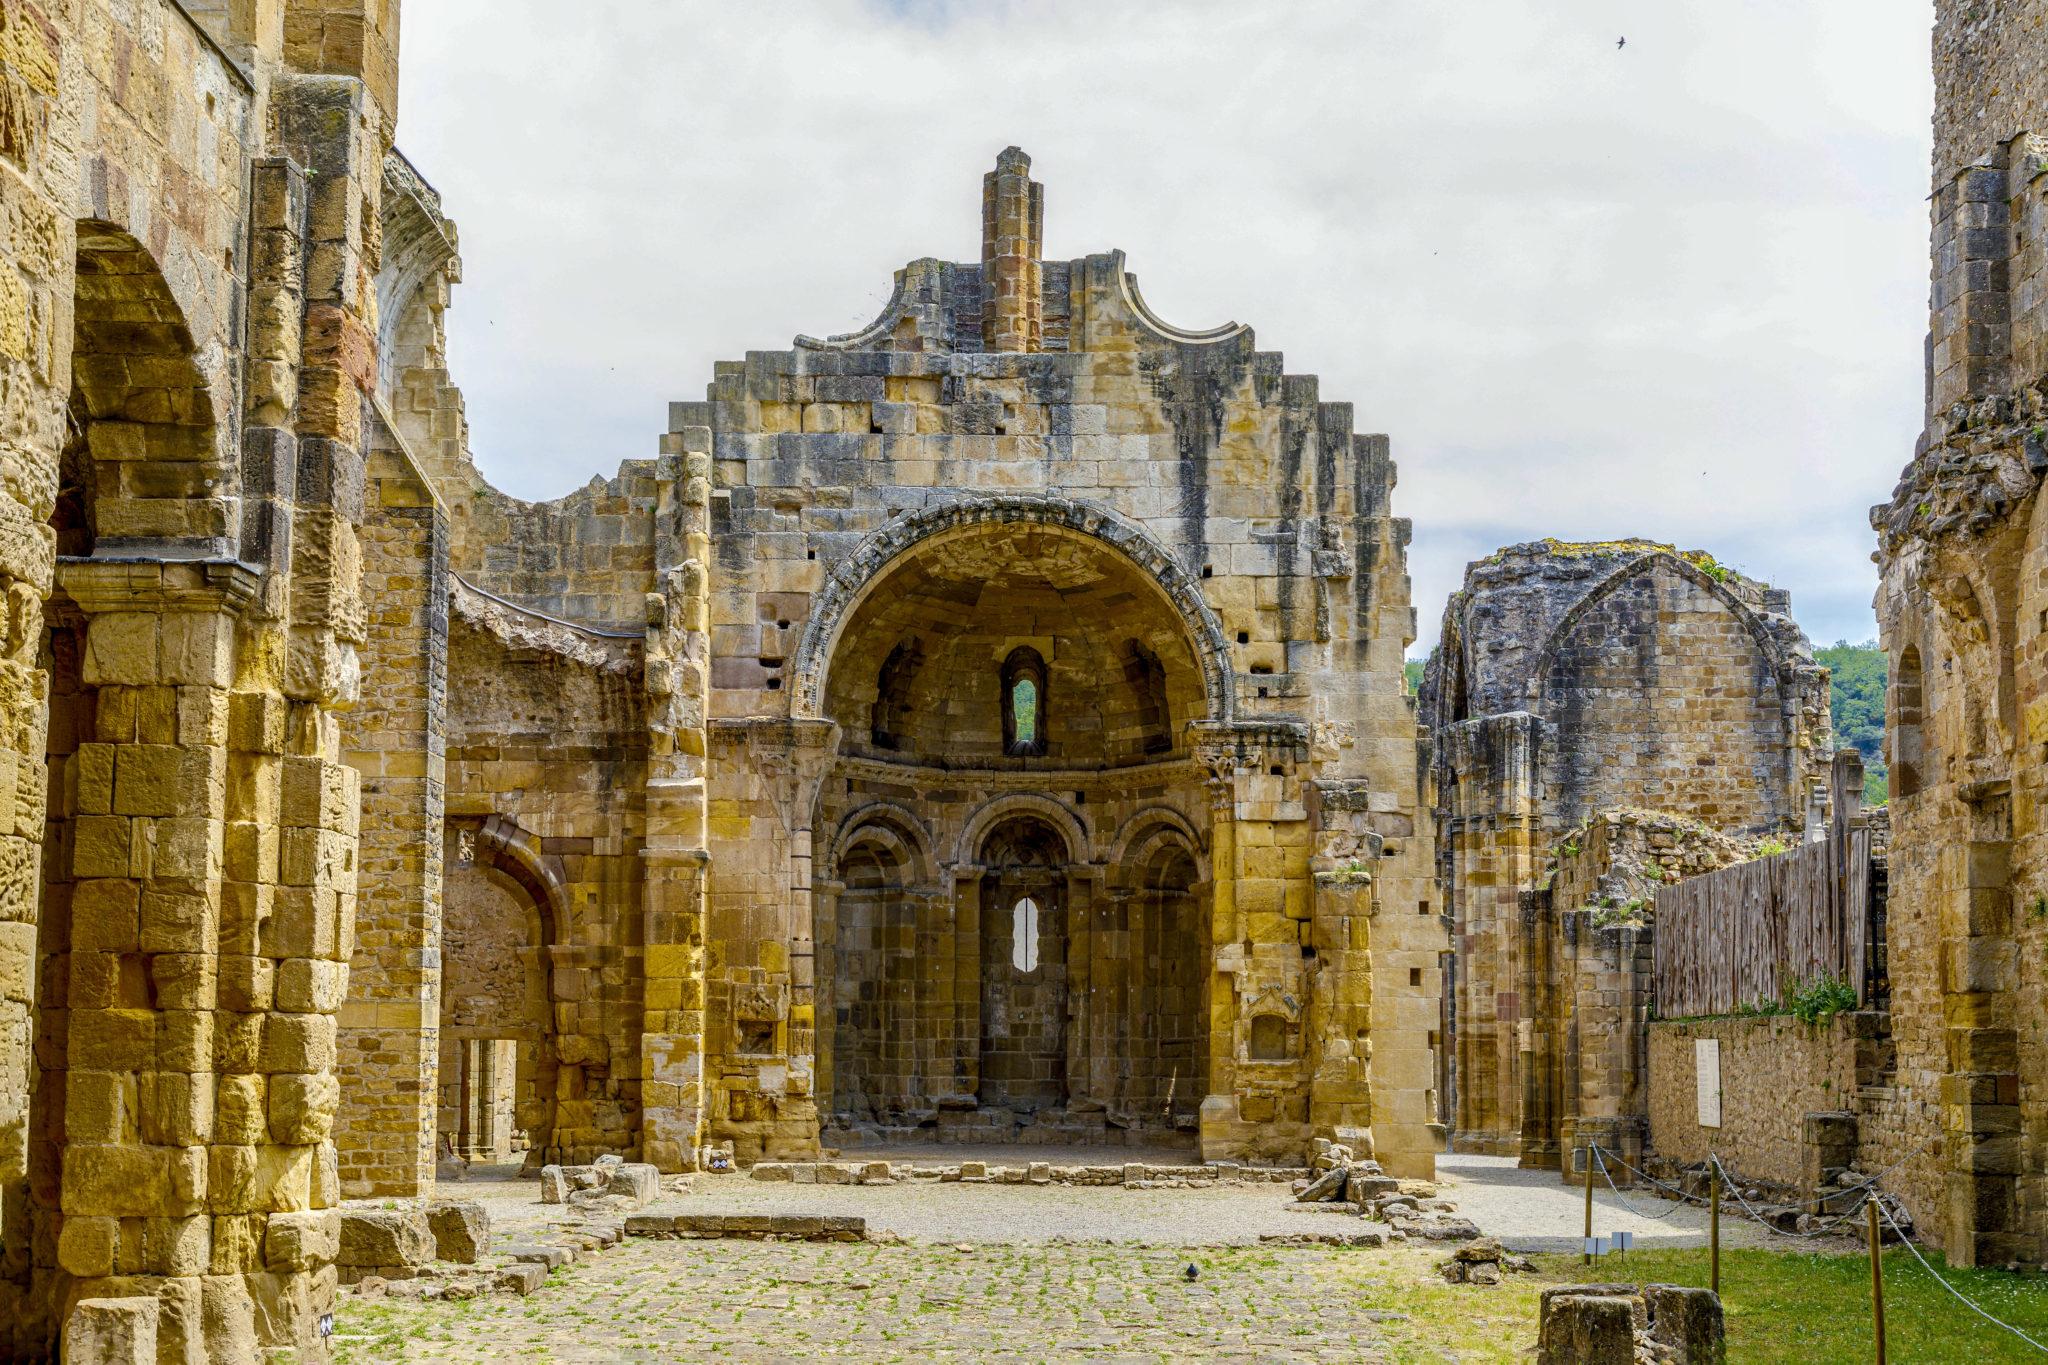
point(1620, 43)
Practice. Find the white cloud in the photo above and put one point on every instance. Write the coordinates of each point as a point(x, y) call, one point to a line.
point(1675, 289)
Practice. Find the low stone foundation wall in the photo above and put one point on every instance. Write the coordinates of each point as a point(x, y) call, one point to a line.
point(1774, 1072)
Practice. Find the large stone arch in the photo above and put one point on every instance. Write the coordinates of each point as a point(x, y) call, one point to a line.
point(849, 584)
point(1606, 587)
point(886, 818)
point(144, 468)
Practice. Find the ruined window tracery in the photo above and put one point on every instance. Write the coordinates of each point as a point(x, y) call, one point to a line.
point(1024, 703)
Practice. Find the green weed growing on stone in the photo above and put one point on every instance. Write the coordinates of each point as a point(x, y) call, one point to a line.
point(1821, 999)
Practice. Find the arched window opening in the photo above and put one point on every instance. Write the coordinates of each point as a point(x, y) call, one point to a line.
point(1906, 742)
point(1024, 936)
point(1269, 1038)
point(1024, 703)
point(1147, 679)
point(892, 693)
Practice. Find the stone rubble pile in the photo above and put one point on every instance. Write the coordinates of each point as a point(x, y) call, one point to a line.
point(609, 1185)
point(1362, 1188)
point(1621, 1324)
point(1483, 1262)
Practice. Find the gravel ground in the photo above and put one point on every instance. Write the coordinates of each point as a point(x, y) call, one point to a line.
point(1535, 1211)
point(1526, 1210)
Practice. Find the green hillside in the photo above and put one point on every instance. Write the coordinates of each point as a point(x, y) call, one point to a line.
point(1415, 667)
point(1856, 697)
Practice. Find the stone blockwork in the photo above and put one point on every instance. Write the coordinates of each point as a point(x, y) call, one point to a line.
point(1572, 680)
point(185, 329)
point(1961, 612)
point(987, 726)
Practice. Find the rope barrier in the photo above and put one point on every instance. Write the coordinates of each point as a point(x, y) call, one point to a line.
point(1601, 1157)
point(1776, 1231)
point(1951, 1288)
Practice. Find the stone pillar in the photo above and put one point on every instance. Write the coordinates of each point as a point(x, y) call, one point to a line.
point(1219, 1117)
point(824, 974)
point(966, 1022)
point(1982, 1143)
point(389, 1048)
point(212, 917)
point(1340, 1015)
point(1012, 222)
point(676, 862)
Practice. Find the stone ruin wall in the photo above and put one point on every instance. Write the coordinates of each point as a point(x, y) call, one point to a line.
point(1572, 679)
point(1960, 607)
point(186, 339)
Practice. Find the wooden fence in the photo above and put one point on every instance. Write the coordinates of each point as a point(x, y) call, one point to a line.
point(1750, 932)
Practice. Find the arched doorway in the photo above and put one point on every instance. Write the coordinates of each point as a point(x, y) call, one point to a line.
point(1023, 966)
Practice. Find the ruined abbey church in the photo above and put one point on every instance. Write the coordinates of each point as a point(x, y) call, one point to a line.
point(986, 726)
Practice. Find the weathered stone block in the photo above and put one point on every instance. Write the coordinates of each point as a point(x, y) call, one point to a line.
point(382, 1237)
point(112, 1332)
point(1688, 1320)
point(303, 1241)
point(635, 1180)
point(461, 1229)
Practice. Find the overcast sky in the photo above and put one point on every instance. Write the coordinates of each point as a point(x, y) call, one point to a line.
point(1675, 289)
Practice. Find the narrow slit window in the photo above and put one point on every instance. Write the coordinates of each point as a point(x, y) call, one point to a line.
point(1024, 936)
point(1023, 695)
point(1024, 704)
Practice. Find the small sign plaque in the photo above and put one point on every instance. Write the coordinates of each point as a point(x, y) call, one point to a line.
point(1707, 1065)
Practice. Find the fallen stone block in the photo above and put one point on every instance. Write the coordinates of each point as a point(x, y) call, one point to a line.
point(635, 1180)
point(876, 1173)
point(1484, 1249)
point(1447, 1230)
point(549, 1256)
point(112, 1332)
point(554, 1186)
point(1327, 1186)
point(1039, 1173)
point(461, 1230)
point(521, 1278)
point(610, 1159)
point(384, 1237)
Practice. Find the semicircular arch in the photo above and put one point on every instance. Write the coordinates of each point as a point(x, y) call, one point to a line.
point(886, 818)
point(869, 565)
point(992, 813)
point(1137, 837)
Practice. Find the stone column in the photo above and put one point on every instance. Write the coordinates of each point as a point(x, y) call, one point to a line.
point(966, 1020)
point(676, 863)
point(1219, 1116)
point(822, 972)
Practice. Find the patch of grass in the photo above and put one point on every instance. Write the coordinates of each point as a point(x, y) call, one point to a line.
point(1786, 1308)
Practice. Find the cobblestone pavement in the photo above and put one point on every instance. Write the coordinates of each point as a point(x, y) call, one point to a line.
point(662, 1301)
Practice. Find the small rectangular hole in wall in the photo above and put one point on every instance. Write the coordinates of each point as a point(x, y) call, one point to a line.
point(1262, 670)
point(770, 663)
point(810, 554)
point(1244, 637)
point(1415, 976)
point(1262, 691)
point(775, 684)
point(1277, 771)
point(1208, 571)
point(1435, 1039)
point(1422, 908)
point(1080, 798)
point(757, 1037)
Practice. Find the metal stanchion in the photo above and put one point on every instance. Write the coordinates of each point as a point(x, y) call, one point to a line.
point(1590, 1149)
point(1876, 1276)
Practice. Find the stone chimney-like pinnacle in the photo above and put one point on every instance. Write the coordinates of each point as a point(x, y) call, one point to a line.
point(1012, 228)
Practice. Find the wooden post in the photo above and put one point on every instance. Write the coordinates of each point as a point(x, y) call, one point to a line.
point(1590, 1148)
point(1714, 1226)
point(1876, 1275)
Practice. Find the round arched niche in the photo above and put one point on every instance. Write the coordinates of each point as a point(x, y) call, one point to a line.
point(927, 663)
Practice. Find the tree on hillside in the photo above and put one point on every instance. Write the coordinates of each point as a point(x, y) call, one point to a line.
point(1858, 675)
